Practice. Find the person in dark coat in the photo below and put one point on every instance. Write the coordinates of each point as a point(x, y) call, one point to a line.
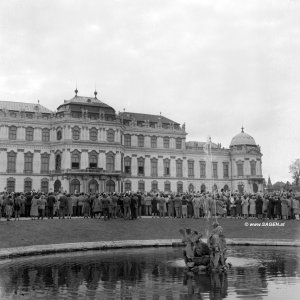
point(134, 206)
point(154, 207)
point(259, 206)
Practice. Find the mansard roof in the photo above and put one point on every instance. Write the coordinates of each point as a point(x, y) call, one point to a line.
point(146, 117)
point(23, 106)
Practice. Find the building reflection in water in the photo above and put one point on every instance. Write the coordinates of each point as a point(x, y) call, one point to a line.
point(136, 275)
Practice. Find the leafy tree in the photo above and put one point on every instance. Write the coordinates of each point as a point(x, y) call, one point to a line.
point(295, 171)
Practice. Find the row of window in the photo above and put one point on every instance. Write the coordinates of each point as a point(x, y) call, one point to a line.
point(153, 143)
point(11, 185)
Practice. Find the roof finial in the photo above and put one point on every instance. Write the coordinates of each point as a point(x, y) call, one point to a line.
point(76, 91)
point(95, 93)
point(242, 128)
point(38, 101)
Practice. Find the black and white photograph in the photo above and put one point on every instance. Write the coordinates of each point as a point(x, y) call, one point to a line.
point(150, 149)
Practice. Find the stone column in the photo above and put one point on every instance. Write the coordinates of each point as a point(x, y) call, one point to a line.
point(160, 166)
point(118, 161)
point(37, 134)
point(21, 133)
point(52, 161)
point(3, 160)
point(37, 161)
point(66, 162)
point(185, 167)
point(173, 166)
point(20, 161)
point(147, 166)
point(84, 161)
point(134, 166)
point(102, 160)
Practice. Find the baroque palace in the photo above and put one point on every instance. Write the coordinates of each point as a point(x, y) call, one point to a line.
point(85, 146)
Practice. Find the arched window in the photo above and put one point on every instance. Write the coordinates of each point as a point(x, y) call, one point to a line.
point(154, 172)
point(29, 134)
point(93, 186)
point(141, 186)
point(45, 135)
point(166, 142)
point(191, 188)
point(93, 134)
point(179, 168)
point(203, 188)
point(27, 185)
point(167, 187)
point(11, 162)
point(215, 188)
point(75, 160)
point(110, 134)
point(10, 185)
point(12, 133)
point(127, 164)
point(45, 157)
point(127, 186)
point(28, 162)
point(57, 162)
point(110, 162)
point(44, 185)
point(57, 186)
point(253, 167)
point(58, 134)
point(166, 167)
point(76, 133)
point(74, 186)
point(141, 165)
point(93, 160)
point(110, 186)
point(154, 186)
point(179, 187)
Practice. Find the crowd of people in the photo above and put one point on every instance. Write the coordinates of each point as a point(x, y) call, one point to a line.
point(36, 205)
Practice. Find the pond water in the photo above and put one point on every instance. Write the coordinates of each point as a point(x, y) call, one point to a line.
point(152, 273)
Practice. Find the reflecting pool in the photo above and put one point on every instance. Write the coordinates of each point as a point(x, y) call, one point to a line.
point(152, 273)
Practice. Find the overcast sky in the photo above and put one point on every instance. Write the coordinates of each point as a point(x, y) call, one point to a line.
point(214, 65)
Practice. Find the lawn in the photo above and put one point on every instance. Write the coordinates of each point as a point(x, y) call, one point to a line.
point(28, 232)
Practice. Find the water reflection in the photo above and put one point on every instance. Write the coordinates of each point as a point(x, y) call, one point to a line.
point(146, 274)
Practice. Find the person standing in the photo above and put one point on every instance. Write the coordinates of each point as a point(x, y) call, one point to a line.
point(41, 206)
point(259, 206)
point(161, 203)
point(34, 213)
point(17, 206)
point(69, 206)
point(252, 207)
point(50, 203)
point(96, 206)
point(148, 204)
point(62, 205)
point(245, 206)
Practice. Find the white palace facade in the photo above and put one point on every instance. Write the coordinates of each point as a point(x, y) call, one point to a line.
point(85, 146)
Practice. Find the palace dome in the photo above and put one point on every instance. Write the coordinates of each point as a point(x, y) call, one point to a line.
point(242, 139)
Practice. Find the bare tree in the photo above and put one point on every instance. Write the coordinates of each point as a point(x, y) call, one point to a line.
point(295, 171)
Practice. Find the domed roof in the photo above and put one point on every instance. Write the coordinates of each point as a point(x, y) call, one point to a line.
point(242, 139)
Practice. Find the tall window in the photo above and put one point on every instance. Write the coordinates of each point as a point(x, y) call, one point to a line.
point(45, 163)
point(75, 160)
point(127, 140)
point(191, 168)
point(154, 186)
point(57, 162)
point(141, 163)
point(167, 186)
point(178, 143)
point(240, 168)
point(127, 164)
point(93, 160)
point(141, 141)
point(202, 169)
point(225, 170)
point(179, 187)
point(166, 142)
point(76, 133)
point(28, 162)
point(110, 134)
point(10, 185)
point(191, 188)
point(12, 133)
point(153, 142)
point(11, 162)
point(29, 134)
point(253, 167)
point(93, 134)
point(44, 185)
point(154, 167)
point(166, 167)
point(45, 135)
point(27, 185)
point(110, 162)
point(141, 186)
point(179, 168)
point(127, 186)
point(58, 134)
point(215, 169)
